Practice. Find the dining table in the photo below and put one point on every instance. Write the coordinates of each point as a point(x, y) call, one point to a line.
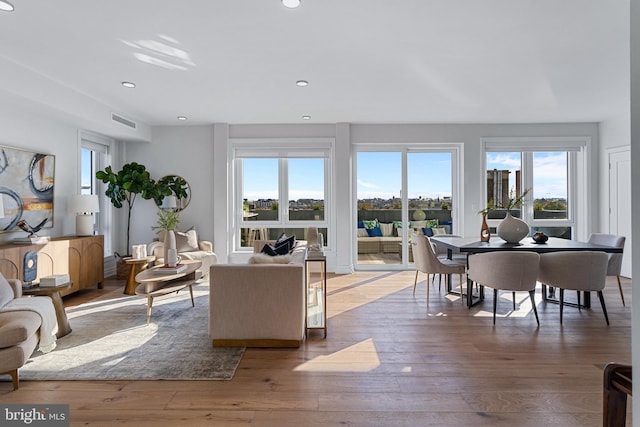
point(472, 245)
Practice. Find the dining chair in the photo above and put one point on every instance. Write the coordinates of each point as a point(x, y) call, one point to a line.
point(426, 261)
point(506, 270)
point(582, 271)
point(614, 264)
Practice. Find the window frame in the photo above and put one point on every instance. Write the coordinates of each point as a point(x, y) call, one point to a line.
point(577, 149)
point(281, 149)
point(105, 147)
point(457, 192)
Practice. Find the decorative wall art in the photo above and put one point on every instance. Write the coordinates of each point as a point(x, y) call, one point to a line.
point(26, 189)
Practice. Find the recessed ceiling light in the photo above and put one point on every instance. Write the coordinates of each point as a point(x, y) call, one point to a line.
point(183, 118)
point(302, 83)
point(128, 84)
point(306, 117)
point(8, 7)
point(291, 4)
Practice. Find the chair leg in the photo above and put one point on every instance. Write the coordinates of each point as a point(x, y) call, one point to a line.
point(561, 303)
point(532, 295)
point(415, 281)
point(461, 290)
point(604, 309)
point(514, 301)
point(495, 304)
point(427, 286)
point(620, 287)
point(578, 292)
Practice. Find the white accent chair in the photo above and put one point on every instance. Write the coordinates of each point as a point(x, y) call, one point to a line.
point(615, 260)
point(509, 270)
point(579, 271)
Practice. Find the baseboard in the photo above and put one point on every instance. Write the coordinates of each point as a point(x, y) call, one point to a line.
point(256, 343)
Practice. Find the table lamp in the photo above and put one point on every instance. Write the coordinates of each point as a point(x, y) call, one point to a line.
point(83, 205)
point(169, 203)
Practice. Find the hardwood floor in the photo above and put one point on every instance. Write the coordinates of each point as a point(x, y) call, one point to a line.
point(389, 359)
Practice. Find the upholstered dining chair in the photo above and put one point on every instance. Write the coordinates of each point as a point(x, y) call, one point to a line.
point(614, 264)
point(426, 261)
point(509, 270)
point(579, 271)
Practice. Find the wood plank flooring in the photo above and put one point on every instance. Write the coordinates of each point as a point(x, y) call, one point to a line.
point(389, 359)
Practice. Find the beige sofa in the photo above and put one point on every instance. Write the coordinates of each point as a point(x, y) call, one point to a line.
point(258, 305)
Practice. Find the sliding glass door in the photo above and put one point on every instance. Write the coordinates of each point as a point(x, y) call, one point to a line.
point(400, 193)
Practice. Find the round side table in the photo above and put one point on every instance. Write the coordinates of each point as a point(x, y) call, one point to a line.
point(53, 292)
point(137, 265)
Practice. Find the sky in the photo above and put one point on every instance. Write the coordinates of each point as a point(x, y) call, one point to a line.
point(379, 174)
point(549, 171)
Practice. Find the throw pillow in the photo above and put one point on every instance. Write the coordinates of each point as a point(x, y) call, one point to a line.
point(360, 224)
point(269, 250)
point(427, 231)
point(387, 229)
point(281, 239)
point(374, 232)
point(368, 224)
point(439, 230)
point(432, 223)
point(362, 232)
point(291, 240)
point(186, 241)
point(283, 248)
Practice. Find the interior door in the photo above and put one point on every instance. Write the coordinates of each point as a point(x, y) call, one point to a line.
point(620, 202)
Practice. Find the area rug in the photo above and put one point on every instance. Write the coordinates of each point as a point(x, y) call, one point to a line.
point(110, 340)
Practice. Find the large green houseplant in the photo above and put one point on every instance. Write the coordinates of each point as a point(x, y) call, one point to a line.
point(125, 185)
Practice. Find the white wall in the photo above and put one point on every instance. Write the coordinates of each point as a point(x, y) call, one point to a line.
point(176, 150)
point(26, 128)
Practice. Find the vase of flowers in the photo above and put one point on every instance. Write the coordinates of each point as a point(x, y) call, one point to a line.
point(167, 223)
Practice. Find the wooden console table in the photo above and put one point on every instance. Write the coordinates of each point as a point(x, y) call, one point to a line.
point(82, 258)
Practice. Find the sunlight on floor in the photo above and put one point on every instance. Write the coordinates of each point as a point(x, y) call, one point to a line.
point(360, 357)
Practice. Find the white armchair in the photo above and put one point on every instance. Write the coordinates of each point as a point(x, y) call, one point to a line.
point(189, 247)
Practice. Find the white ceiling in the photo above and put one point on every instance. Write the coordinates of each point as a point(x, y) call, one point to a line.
point(367, 61)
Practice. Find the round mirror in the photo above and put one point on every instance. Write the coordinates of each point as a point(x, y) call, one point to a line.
point(179, 187)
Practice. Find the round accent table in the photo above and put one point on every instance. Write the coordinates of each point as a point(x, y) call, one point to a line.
point(137, 265)
point(53, 292)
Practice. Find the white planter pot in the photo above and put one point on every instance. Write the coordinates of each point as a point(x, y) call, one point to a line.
point(512, 229)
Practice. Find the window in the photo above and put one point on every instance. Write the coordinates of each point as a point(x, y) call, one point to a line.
point(94, 156)
point(280, 190)
point(548, 171)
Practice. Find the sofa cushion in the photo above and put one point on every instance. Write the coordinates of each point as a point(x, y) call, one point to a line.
point(6, 291)
point(268, 259)
point(387, 229)
point(17, 326)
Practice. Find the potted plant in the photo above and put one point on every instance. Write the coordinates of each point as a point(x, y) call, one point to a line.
point(124, 187)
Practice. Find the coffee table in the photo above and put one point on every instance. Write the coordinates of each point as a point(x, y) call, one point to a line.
point(53, 292)
point(153, 284)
